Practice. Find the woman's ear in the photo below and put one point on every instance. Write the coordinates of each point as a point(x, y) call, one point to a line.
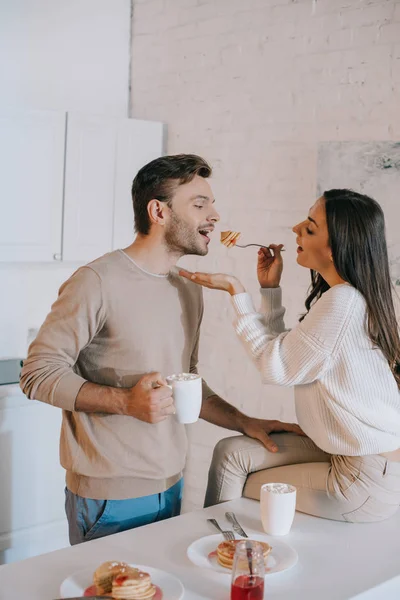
point(156, 211)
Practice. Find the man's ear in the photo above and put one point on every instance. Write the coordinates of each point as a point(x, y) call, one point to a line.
point(157, 211)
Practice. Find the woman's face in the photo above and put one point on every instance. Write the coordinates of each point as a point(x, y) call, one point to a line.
point(312, 238)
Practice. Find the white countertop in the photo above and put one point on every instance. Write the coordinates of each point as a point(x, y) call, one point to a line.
point(337, 561)
point(11, 389)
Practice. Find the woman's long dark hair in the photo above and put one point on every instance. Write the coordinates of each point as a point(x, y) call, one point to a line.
point(356, 229)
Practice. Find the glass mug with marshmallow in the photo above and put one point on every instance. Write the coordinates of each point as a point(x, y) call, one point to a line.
point(187, 394)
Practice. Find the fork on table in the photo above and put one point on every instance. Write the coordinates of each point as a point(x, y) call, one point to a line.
point(228, 535)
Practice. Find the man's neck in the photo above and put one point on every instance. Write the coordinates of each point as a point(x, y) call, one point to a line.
point(152, 255)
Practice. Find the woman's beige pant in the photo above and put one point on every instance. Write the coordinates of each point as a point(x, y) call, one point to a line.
point(343, 488)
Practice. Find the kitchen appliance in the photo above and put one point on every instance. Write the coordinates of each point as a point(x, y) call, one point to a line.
point(10, 369)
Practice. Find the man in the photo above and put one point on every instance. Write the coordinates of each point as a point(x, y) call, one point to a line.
point(119, 326)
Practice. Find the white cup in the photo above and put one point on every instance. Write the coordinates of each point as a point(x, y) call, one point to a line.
point(187, 393)
point(278, 505)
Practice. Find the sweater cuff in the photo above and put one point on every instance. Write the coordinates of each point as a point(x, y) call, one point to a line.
point(66, 391)
point(271, 299)
point(243, 304)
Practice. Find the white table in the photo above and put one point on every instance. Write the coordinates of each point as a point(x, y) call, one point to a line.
point(337, 561)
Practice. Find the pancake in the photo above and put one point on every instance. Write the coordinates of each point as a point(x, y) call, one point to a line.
point(229, 238)
point(105, 573)
point(133, 586)
point(226, 552)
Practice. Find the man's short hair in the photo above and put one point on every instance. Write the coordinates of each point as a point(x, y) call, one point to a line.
point(159, 180)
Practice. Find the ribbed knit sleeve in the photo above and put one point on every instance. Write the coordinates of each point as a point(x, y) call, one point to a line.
point(299, 356)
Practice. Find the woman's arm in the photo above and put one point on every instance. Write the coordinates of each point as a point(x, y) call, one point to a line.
point(287, 358)
point(299, 356)
point(272, 311)
point(269, 272)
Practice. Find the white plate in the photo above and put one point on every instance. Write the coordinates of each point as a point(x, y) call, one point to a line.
point(282, 555)
point(76, 584)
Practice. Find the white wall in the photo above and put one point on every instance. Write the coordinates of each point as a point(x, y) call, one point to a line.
point(254, 85)
point(57, 55)
point(67, 55)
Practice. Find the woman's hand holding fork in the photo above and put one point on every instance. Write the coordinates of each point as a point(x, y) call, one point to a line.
point(269, 271)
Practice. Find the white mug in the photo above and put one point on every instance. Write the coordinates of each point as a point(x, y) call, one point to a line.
point(278, 505)
point(187, 393)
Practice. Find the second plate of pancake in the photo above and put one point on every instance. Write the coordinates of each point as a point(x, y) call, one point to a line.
point(203, 553)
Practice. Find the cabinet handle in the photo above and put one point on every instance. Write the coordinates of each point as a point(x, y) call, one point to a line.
point(57, 256)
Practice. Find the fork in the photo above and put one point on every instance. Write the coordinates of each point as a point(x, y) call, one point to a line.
point(228, 535)
point(258, 246)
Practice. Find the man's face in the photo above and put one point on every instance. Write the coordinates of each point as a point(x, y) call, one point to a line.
point(191, 218)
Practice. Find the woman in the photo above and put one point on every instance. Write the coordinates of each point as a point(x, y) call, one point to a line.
point(343, 359)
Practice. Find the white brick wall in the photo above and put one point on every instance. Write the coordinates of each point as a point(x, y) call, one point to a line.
point(253, 86)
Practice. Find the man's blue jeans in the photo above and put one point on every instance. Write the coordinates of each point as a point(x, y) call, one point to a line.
point(89, 519)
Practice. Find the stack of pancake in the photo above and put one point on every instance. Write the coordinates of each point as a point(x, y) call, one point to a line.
point(122, 581)
point(226, 552)
point(135, 586)
point(105, 573)
point(229, 238)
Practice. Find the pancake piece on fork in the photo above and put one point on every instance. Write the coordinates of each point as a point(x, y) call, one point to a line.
point(229, 238)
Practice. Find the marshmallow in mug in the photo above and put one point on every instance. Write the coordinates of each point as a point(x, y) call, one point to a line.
point(183, 377)
point(279, 488)
point(187, 393)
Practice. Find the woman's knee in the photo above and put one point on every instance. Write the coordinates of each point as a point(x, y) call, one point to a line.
point(226, 448)
point(236, 453)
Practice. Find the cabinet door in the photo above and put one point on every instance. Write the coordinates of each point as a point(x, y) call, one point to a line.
point(139, 142)
point(89, 186)
point(32, 479)
point(31, 185)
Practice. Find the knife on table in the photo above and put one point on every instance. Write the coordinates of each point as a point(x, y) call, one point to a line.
point(230, 516)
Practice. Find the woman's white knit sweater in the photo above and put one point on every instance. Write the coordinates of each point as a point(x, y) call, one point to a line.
point(346, 397)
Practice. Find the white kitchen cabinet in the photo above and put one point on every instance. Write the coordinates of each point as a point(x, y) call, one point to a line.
point(32, 148)
point(102, 157)
point(138, 143)
point(89, 186)
point(32, 516)
point(66, 189)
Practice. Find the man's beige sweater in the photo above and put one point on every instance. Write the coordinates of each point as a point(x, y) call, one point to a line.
point(111, 324)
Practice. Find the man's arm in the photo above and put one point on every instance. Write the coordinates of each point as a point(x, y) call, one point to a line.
point(217, 411)
point(75, 318)
point(149, 400)
point(48, 374)
point(94, 398)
